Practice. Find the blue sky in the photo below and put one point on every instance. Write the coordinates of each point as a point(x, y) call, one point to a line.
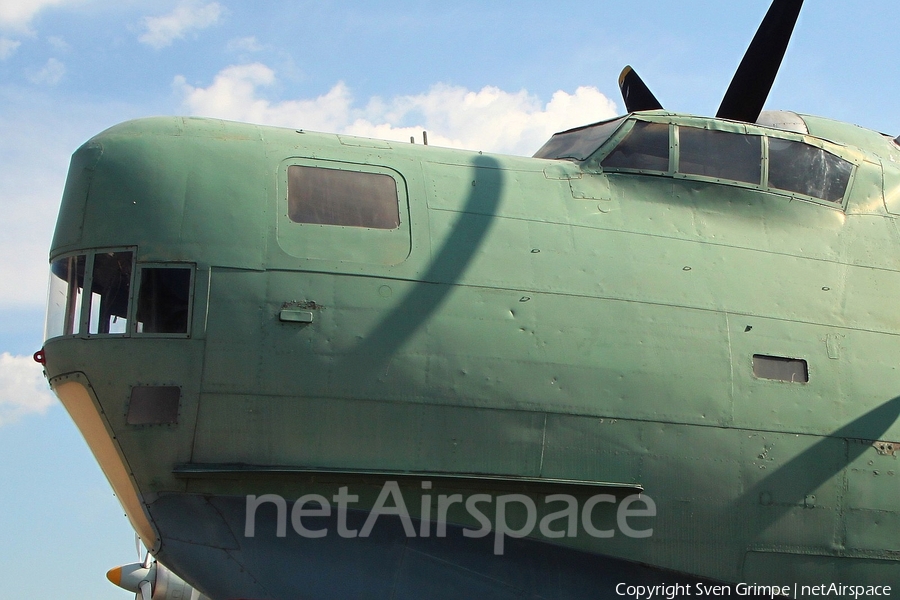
point(494, 76)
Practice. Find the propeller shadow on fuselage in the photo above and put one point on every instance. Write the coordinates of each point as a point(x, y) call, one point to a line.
point(372, 356)
point(795, 483)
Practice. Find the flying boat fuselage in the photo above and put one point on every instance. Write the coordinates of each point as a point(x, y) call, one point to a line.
point(683, 325)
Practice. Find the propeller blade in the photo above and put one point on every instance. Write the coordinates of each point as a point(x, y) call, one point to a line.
point(635, 92)
point(137, 545)
point(755, 75)
point(146, 591)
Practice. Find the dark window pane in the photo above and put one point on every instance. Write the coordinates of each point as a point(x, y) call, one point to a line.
point(720, 154)
point(164, 300)
point(646, 147)
point(804, 169)
point(335, 197)
point(780, 368)
point(110, 286)
point(578, 143)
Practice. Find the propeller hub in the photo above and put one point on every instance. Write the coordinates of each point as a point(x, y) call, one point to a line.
point(130, 577)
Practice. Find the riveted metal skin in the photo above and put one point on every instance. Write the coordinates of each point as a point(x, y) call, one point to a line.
point(532, 327)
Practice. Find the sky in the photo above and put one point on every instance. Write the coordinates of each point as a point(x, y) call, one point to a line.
point(486, 75)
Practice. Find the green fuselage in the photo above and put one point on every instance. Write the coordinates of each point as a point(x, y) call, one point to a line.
point(528, 320)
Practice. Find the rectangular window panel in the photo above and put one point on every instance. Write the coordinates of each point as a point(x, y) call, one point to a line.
point(779, 368)
point(720, 154)
point(65, 297)
point(164, 300)
point(337, 197)
point(110, 290)
point(645, 148)
point(804, 169)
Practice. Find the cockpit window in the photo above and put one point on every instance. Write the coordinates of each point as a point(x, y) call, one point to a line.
point(645, 148)
point(804, 169)
point(110, 289)
point(164, 300)
point(720, 154)
point(65, 297)
point(580, 143)
point(162, 304)
point(794, 167)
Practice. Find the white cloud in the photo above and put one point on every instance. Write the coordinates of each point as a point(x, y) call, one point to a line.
point(23, 389)
point(188, 16)
point(245, 44)
point(17, 14)
point(489, 119)
point(233, 95)
point(8, 47)
point(51, 74)
point(58, 43)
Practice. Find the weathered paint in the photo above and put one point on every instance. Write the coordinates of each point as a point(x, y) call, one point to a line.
point(532, 320)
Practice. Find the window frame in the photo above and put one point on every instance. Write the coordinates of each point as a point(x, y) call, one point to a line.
point(343, 244)
point(84, 317)
point(88, 301)
point(64, 318)
point(763, 151)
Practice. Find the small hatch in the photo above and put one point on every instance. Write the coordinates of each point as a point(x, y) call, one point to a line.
point(153, 405)
point(779, 368)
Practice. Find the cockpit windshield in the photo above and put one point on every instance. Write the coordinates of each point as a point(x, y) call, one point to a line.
point(579, 143)
point(749, 158)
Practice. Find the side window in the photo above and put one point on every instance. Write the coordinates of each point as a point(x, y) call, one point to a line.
point(804, 169)
point(720, 154)
point(645, 148)
point(337, 197)
point(164, 300)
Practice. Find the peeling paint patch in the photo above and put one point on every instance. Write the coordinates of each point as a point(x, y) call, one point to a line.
point(303, 304)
